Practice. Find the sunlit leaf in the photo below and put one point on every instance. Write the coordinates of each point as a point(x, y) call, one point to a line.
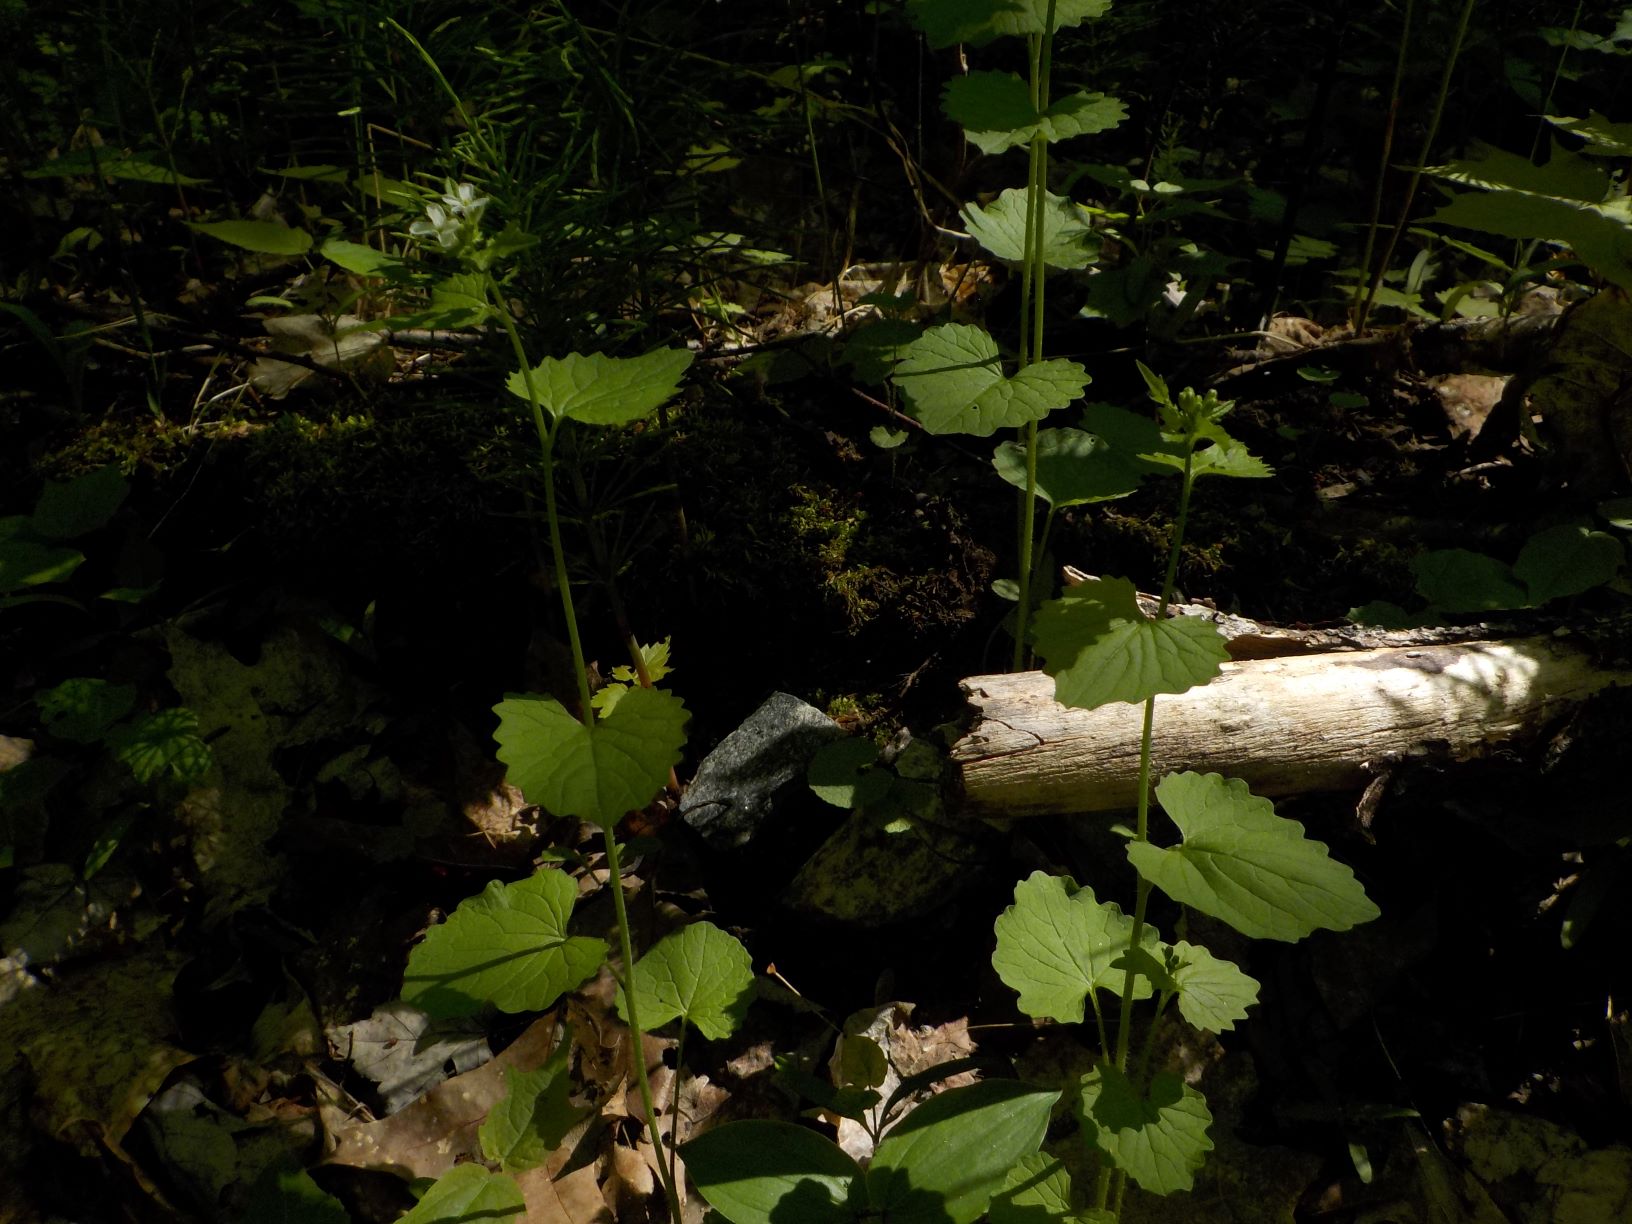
point(1068, 240)
point(1100, 647)
point(1213, 993)
point(535, 1114)
point(467, 1193)
point(600, 772)
point(1074, 468)
point(359, 259)
point(601, 390)
point(1242, 863)
point(1158, 1138)
point(754, 1172)
point(699, 975)
point(507, 946)
point(995, 111)
point(842, 773)
point(1057, 942)
point(944, 1161)
point(953, 378)
point(1038, 1191)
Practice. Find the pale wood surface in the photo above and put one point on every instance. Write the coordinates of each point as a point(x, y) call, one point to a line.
point(1326, 721)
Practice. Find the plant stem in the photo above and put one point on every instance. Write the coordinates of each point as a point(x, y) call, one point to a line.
point(1422, 162)
point(1382, 168)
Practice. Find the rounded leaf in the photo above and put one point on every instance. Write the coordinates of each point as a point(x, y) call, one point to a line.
point(953, 378)
point(699, 975)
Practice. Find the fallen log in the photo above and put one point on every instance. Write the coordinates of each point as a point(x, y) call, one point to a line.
point(1287, 725)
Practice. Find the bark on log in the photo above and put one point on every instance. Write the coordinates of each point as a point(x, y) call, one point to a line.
point(1290, 725)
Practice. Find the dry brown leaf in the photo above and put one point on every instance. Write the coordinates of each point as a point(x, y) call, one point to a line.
point(431, 1135)
point(572, 1199)
point(630, 1181)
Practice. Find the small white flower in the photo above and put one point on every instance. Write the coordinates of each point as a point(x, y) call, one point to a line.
point(437, 222)
point(463, 201)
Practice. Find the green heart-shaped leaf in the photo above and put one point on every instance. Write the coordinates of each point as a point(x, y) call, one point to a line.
point(507, 946)
point(1242, 863)
point(1459, 580)
point(1074, 468)
point(954, 380)
point(699, 975)
point(83, 709)
point(995, 111)
point(1567, 560)
point(1100, 647)
point(163, 742)
point(1056, 943)
point(977, 22)
point(1213, 993)
point(1159, 1139)
point(600, 771)
point(600, 390)
point(755, 1172)
point(1038, 1189)
point(1068, 240)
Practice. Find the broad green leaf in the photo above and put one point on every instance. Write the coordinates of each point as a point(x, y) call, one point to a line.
point(74, 507)
point(1564, 176)
point(600, 772)
point(1068, 240)
point(861, 1061)
point(947, 1157)
point(1219, 454)
point(699, 975)
point(83, 709)
point(873, 348)
point(954, 380)
point(1242, 863)
point(756, 1172)
point(133, 168)
point(1600, 234)
point(263, 237)
point(1457, 580)
point(1158, 1139)
point(359, 259)
point(1604, 139)
point(507, 946)
point(160, 743)
point(1213, 993)
point(467, 1193)
point(1036, 1190)
point(534, 1116)
point(286, 1194)
point(25, 562)
point(1057, 942)
point(995, 111)
point(458, 301)
point(1074, 468)
point(1567, 560)
point(601, 390)
point(977, 22)
point(1100, 647)
point(842, 773)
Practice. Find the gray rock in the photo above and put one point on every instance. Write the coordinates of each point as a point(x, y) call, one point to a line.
point(757, 772)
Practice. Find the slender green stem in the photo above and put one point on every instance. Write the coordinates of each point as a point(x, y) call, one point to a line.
point(638, 1052)
point(1382, 167)
point(1422, 161)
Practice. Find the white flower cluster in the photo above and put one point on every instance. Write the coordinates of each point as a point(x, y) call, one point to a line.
point(453, 221)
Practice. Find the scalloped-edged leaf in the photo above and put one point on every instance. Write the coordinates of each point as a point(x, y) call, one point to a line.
point(977, 22)
point(600, 772)
point(1068, 240)
point(262, 237)
point(1242, 863)
point(947, 1157)
point(699, 975)
point(458, 301)
point(165, 742)
point(1057, 942)
point(1100, 647)
point(83, 709)
point(534, 1116)
point(1213, 993)
point(69, 508)
point(755, 1171)
point(1563, 176)
point(1219, 454)
point(995, 111)
point(1159, 1138)
point(1600, 234)
point(600, 390)
point(507, 946)
point(953, 378)
point(1074, 468)
point(1459, 580)
point(1567, 560)
point(468, 1192)
point(1604, 139)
